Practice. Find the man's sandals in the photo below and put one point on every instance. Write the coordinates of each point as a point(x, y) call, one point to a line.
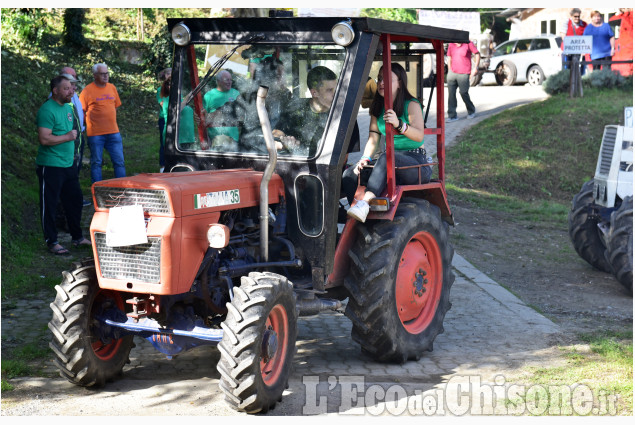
point(81, 242)
point(58, 249)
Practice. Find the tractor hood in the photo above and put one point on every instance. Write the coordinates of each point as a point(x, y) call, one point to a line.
point(186, 194)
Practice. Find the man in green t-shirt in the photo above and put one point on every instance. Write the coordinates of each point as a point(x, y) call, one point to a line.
point(218, 122)
point(58, 177)
point(301, 126)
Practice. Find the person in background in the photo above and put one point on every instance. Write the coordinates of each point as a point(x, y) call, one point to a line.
point(213, 101)
point(302, 125)
point(57, 172)
point(163, 98)
point(459, 72)
point(573, 26)
point(100, 101)
point(603, 39)
point(71, 75)
point(406, 117)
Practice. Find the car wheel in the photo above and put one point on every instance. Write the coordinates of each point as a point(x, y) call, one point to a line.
point(505, 74)
point(535, 76)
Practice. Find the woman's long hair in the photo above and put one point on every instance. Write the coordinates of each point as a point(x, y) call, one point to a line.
point(400, 98)
point(165, 88)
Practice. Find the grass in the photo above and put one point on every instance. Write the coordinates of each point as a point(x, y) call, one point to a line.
point(111, 31)
point(605, 365)
point(529, 162)
point(534, 157)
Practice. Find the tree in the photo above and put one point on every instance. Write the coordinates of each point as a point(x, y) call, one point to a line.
point(73, 28)
point(392, 14)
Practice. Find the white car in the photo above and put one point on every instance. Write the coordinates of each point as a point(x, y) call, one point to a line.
point(526, 60)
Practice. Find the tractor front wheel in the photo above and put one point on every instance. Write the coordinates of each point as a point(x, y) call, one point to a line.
point(400, 283)
point(85, 352)
point(258, 342)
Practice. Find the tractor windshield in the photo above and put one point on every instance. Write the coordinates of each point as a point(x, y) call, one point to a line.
point(222, 117)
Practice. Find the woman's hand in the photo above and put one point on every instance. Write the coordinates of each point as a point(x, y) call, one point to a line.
point(391, 117)
point(360, 164)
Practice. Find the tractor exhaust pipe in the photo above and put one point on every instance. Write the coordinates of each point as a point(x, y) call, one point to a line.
point(266, 177)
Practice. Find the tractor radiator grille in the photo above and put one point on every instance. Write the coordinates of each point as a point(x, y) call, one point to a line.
point(140, 262)
point(152, 200)
point(608, 145)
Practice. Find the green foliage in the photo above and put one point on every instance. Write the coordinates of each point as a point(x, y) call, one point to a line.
point(14, 368)
point(160, 52)
point(73, 28)
point(557, 83)
point(601, 79)
point(6, 386)
point(392, 14)
point(604, 78)
point(26, 26)
point(27, 267)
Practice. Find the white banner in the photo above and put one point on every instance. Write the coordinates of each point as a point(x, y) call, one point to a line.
point(464, 21)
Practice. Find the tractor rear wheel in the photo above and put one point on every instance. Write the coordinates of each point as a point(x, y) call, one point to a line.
point(258, 343)
point(584, 233)
point(84, 354)
point(620, 243)
point(400, 283)
point(505, 74)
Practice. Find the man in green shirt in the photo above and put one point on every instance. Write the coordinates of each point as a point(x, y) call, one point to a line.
point(219, 124)
point(58, 176)
point(301, 126)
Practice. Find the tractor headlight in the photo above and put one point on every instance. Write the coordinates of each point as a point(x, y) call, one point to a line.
point(343, 33)
point(218, 236)
point(181, 34)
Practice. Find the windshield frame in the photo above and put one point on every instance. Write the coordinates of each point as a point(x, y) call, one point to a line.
point(184, 66)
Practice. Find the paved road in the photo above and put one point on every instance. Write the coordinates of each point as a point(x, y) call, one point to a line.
point(490, 335)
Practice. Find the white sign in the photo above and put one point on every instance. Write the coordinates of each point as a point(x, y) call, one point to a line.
point(463, 21)
point(577, 44)
point(628, 117)
point(238, 68)
point(126, 226)
point(328, 12)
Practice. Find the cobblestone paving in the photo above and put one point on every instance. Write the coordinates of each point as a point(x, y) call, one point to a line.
point(488, 333)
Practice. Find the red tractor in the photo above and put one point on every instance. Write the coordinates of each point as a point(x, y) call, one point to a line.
point(237, 239)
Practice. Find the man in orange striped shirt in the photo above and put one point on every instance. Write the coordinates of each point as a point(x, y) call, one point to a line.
point(100, 101)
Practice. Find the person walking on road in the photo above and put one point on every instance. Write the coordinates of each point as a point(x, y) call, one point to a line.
point(100, 101)
point(459, 72)
point(57, 172)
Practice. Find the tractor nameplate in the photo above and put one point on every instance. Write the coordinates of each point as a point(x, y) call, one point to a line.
point(217, 199)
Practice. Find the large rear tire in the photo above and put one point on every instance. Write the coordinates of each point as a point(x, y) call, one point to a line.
point(258, 343)
point(505, 74)
point(83, 354)
point(584, 233)
point(400, 283)
point(620, 243)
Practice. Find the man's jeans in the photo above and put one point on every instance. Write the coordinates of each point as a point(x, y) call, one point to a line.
point(462, 81)
point(114, 145)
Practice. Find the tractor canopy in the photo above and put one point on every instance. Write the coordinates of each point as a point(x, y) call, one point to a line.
point(306, 63)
